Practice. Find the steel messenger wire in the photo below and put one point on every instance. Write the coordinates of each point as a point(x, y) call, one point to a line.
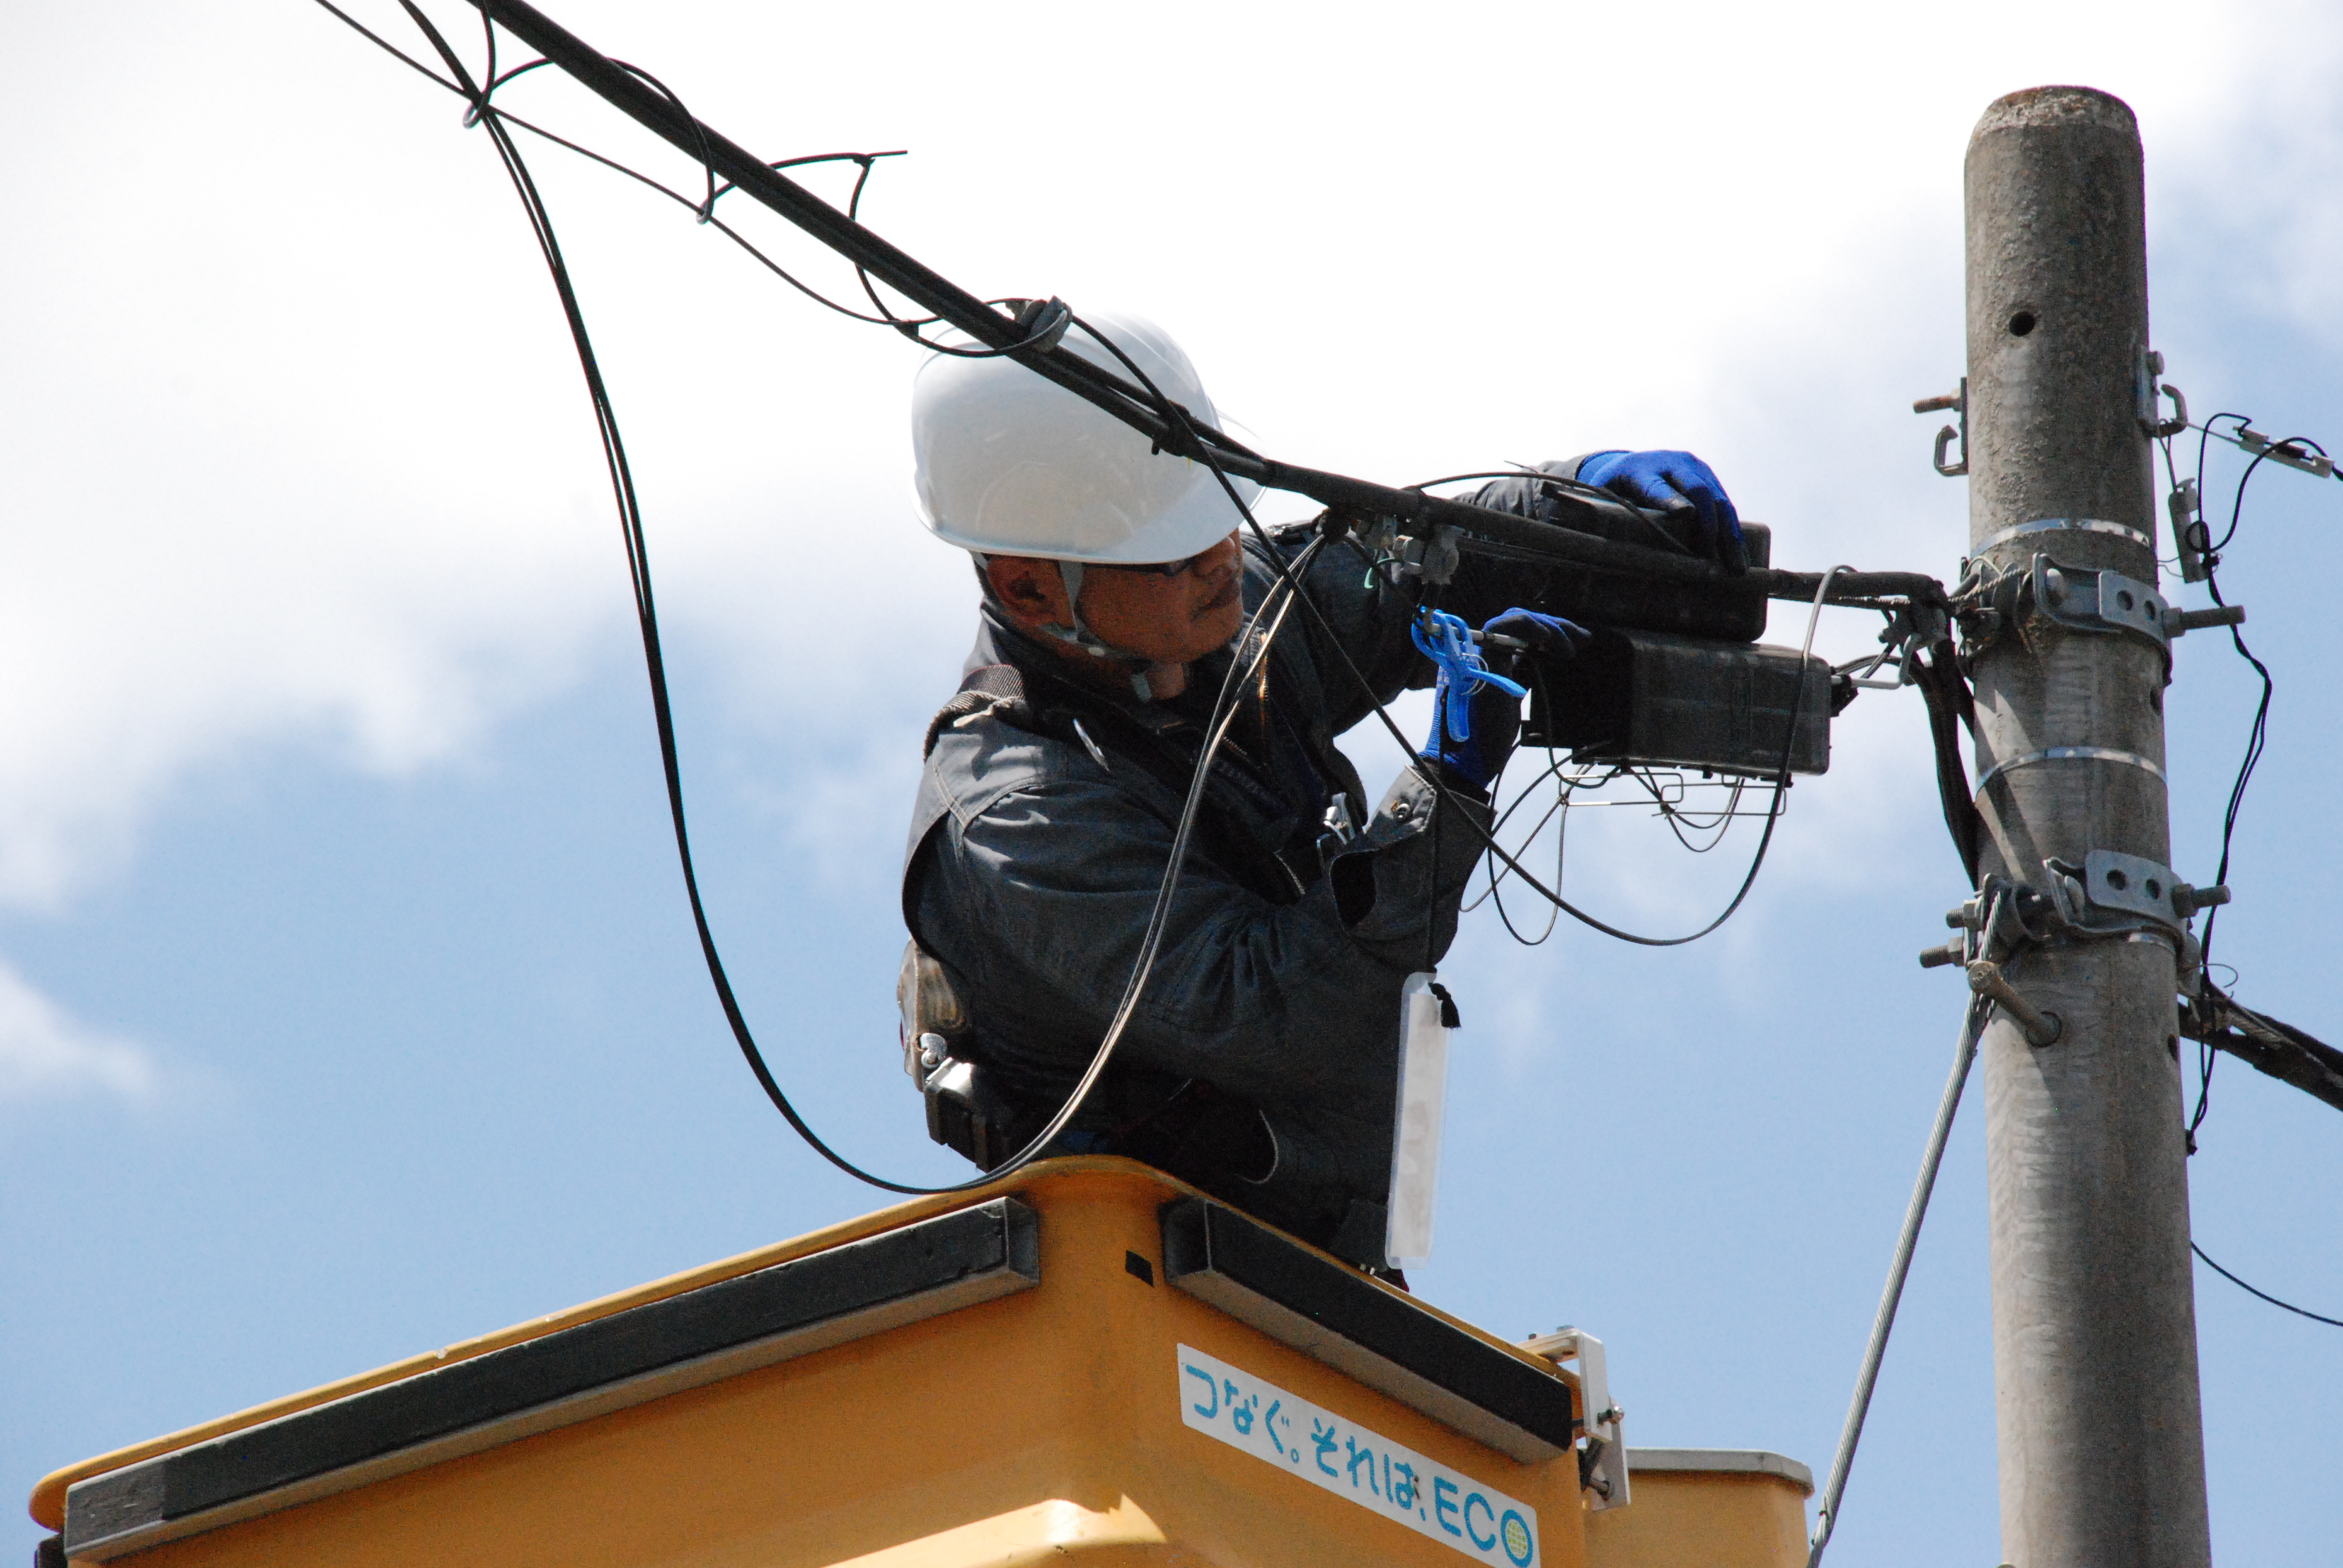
point(1883, 1322)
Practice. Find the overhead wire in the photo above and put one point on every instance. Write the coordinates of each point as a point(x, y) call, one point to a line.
point(1241, 665)
point(703, 210)
point(2257, 1290)
point(2258, 731)
point(2208, 1012)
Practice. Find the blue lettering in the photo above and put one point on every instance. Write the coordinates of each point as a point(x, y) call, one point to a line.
point(1491, 1513)
point(1324, 1438)
point(1365, 1456)
point(1442, 1490)
point(1517, 1532)
point(1269, 1420)
point(1212, 1387)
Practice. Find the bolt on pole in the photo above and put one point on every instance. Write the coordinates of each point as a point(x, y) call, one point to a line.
point(2095, 1340)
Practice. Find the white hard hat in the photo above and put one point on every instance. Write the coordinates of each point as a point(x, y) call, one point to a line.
point(1009, 463)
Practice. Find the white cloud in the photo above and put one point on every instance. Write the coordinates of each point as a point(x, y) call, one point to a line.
point(45, 1052)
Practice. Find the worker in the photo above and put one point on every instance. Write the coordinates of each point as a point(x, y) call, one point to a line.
point(1260, 1062)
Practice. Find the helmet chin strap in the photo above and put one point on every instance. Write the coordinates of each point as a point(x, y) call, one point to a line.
point(1071, 574)
point(1079, 635)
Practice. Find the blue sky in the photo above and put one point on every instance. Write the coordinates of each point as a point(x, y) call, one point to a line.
point(348, 1003)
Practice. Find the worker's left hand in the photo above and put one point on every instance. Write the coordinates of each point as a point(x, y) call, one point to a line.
point(1492, 711)
point(1543, 636)
point(1675, 482)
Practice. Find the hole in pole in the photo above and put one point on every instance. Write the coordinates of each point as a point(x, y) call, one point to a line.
point(2021, 324)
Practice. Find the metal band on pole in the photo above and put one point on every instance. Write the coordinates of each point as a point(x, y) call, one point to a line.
point(2069, 754)
point(2065, 526)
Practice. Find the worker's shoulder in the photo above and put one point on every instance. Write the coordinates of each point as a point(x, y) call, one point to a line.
point(1001, 758)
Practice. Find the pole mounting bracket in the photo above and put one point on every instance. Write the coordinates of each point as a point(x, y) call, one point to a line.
point(2100, 601)
point(2111, 892)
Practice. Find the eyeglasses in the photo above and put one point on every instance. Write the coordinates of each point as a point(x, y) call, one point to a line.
point(1172, 568)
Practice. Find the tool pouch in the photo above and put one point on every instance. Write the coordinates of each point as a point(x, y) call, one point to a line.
point(964, 1115)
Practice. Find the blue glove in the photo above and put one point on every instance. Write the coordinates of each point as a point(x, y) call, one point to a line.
point(1477, 709)
point(1675, 482)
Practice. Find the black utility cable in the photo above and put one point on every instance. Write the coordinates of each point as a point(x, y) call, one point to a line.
point(2265, 1295)
point(2257, 738)
point(2257, 733)
point(638, 567)
point(703, 210)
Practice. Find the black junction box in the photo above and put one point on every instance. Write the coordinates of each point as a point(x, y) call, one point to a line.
point(1651, 697)
point(1726, 607)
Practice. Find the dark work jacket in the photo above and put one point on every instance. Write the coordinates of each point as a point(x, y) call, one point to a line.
point(1043, 828)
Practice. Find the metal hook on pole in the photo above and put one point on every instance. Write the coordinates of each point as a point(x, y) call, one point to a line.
point(1957, 401)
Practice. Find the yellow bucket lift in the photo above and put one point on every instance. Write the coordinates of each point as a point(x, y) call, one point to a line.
point(1087, 1362)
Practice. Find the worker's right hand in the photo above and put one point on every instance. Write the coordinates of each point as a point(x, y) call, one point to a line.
point(1476, 709)
point(1681, 485)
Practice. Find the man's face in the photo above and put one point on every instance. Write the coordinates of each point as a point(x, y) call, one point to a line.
point(1173, 620)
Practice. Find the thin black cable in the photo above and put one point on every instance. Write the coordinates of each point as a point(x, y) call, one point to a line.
point(639, 566)
point(1554, 770)
point(1678, 820)
point(1578, 486)
point(2265, 1295)
point(698, 208)
point(388, 47)
point(1559, 814)
point(1557, 806)
point(2257, 741)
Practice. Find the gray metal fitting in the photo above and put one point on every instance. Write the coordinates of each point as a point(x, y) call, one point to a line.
point(2040, 1028)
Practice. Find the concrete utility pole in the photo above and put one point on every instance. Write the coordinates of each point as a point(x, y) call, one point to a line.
point(2095, 1340)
